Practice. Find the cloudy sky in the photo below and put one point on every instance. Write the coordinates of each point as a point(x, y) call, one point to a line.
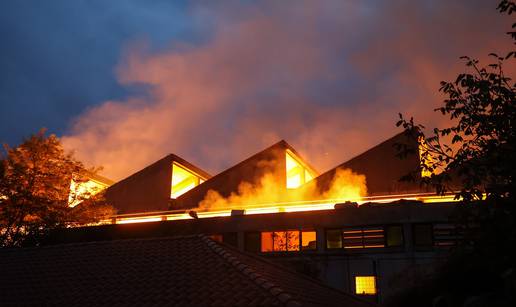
point(126, 82)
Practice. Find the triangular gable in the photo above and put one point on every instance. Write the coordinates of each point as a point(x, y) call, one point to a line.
point(272, 160)
point(151, 188)
point(382, 167)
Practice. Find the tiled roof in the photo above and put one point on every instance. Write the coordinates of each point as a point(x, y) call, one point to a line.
point(179, 271)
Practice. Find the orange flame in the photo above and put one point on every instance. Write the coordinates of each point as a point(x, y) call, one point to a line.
point(270, 191)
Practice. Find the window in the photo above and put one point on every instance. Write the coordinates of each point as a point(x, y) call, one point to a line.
point(252, 242)
point(363, 237)
point(281, 241)
point(308, 240)
point(394, 235)
point(446, 235)
point(183, 180)
point(333, 238)
point(297, 173)
point(423, 235)
point(365, 285)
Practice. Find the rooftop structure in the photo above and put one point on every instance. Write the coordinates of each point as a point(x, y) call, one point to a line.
point(153, 188)
point(178, 271)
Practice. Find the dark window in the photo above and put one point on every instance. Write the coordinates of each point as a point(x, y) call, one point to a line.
point(394, 235)
point(423, 235)
point(369, 237)
point(252, 242)
point(446, 235)
point(333, 238)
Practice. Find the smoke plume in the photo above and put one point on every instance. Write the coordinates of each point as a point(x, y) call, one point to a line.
point(329, 77)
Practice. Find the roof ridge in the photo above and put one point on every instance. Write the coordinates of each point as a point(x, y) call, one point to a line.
point(275, 290)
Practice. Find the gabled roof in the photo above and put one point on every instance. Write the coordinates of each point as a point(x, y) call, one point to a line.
point(179, 271)
point(382, 167)
point(148, 189)
point(250, 170)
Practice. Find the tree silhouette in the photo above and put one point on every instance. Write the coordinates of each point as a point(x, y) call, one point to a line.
point(476, 158)
point(35, 191)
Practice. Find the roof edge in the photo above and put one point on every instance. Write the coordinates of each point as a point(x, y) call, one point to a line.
point(276, 291)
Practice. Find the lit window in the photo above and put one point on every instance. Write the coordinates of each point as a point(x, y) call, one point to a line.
point(365, 285)
point(267, 241)
point(297, 174)
point(308, 240)
point(280, 241)
point(183, 180)
point(292, 240)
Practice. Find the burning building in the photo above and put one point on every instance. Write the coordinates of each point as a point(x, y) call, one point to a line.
point(355, 227)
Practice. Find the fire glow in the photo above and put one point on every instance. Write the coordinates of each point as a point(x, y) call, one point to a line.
point(274, 208)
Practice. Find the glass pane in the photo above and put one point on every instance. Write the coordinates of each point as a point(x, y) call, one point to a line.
point(295, 172)
point(292, 240)
point(394, 236)
point(280, 241)
point(365, 285)
point(182, 181)
point(333, 238)
point(267, 241)
point(309, 240)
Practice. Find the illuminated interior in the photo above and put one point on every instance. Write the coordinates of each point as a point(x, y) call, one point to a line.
point(365, 285)
point(284, 241)
point(83, 190)
point(297, 174)
point(183, 180)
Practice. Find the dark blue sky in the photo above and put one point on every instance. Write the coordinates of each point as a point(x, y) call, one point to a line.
point(126, 82)
point(58, 57)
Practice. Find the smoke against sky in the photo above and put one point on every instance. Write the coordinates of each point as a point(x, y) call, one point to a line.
point(329, 77)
